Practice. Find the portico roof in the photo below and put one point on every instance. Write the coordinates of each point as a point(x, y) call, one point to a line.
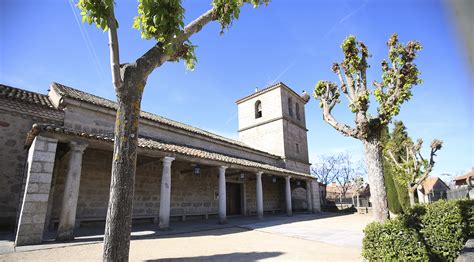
point(174, 149)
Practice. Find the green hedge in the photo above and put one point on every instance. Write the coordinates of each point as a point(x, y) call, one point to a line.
point(392, 241)
point(467, 210)
point(441, 228)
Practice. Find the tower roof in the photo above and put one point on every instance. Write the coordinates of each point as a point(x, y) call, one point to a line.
point(269, 88)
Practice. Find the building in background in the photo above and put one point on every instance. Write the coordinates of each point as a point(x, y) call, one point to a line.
point(432, 189)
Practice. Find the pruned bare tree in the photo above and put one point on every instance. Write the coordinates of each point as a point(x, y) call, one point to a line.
point(326, 168)
point(345, 175)
point(413, 169)
point(398, 78)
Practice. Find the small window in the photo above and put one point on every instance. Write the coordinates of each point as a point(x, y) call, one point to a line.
point(297, 111)
point(297, 148)
point(290, 106)
point(258, 109)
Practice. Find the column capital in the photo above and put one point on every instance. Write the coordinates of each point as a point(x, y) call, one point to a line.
point(222, 168)
point(288, 177)
point(78, 146)
point(167, 159)
point(259, 173)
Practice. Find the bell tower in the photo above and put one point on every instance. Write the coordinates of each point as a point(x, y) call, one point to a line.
point(273, 120)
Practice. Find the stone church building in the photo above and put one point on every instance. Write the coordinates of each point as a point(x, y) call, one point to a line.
point(56, 152)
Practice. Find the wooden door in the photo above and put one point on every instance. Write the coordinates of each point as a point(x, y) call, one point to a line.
point(233, 199)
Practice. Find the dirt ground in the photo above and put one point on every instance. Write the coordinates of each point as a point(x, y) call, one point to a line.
point(279, 242)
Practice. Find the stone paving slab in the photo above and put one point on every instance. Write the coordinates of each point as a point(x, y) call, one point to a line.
point(228, 244)
point(315, 230)
point(90, 235)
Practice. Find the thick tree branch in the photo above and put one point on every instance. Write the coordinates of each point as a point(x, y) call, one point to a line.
point(155, 57)
point(343, 128)
point(328, 94)
point(114, 50)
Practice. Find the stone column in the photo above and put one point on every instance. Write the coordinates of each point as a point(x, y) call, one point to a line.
point(67, 217)
point(315, 196)
point(289, 210)
point(309, 201)
point(259, 195)
point(222, 196)
point(165, 193)
point(40, 163)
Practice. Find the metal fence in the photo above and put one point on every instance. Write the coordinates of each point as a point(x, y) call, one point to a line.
point(458, 193)
point(437, 195)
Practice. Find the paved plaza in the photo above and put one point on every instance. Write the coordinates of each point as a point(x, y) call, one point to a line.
point(302, 237)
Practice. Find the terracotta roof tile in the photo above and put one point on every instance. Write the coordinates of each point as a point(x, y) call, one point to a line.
point(429, 183)
point(164, 147)
point(17, 94)
point(464, 177)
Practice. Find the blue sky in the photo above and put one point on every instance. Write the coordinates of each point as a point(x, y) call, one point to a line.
point(290, 41)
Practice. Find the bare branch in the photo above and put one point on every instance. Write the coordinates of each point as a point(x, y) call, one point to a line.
point(435, 146)
point(326, 168)
point(114, 49)
point(350, 85)
point(337, 70)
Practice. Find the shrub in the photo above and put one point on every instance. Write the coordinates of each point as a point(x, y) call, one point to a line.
point(467, 211)
point(437, 230)
point(442, 228)
point(392, 241)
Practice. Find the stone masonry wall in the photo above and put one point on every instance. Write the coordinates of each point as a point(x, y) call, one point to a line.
point(190, 193)
point(273, 194)
point(16, 119)
point(86, 120)
point(95, 184)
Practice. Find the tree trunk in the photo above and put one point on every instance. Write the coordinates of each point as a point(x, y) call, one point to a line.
point(374, 161)
point(119, 213)
point(411, 194)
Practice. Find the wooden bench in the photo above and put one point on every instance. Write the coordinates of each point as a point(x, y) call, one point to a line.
point(205, 215)
point(267, 211)
point(80, 221)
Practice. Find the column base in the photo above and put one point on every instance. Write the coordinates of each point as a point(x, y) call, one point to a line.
point(164, 228)
point(222, 222)
point(65, 236)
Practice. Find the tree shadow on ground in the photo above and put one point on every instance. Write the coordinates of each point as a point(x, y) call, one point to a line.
point(192, 228)
point(197, 227)
point(239, 256)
